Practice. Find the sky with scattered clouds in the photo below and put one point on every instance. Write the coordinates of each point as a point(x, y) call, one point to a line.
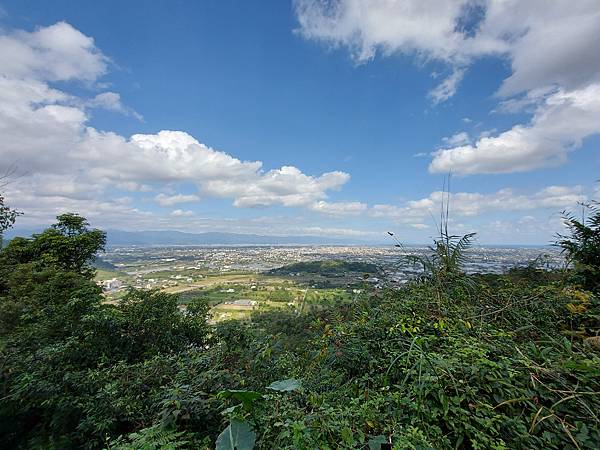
point(338, 118)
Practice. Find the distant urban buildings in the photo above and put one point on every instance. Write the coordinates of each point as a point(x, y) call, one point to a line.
point(110, 285)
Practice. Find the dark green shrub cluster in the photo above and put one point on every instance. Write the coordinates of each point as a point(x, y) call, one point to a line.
point(451, 361)
point(328, 267)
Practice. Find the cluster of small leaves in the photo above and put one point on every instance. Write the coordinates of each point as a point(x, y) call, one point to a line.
point(152, 438)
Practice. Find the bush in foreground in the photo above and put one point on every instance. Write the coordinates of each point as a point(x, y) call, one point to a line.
point(474, 362)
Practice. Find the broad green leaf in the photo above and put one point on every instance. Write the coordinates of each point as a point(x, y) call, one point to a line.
point(237, 436)
point(230, 409)
point(246, 397)
point(376, 441)
point(291, 384)
point(347, 436)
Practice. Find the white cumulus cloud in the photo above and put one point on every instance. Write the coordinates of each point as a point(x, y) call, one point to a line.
point(182, 213)
point(111, 101)
point(551, 48)
point(339, 208)
point(551, 43)
point(55, 53)
point(46, 133)
point(558, 126)
point(171, 200)
point(448, 87)
point(457, 139)
point(469, 204)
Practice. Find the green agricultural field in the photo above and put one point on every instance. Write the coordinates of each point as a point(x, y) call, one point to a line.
point(267, 291)
point(103, 274)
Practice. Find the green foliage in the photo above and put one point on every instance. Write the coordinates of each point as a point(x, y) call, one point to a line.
point(101, 264)
point(375, 442)
point(447, 256)
point(237, 436)
point(444, 264)
point(394, 368)
point(66, 357)
point(327, 268)
point(8, 216)
point(46, 280)
point(68, 246)
point(281, 295)
point(153, 438)
point(151, 323)
point(285, 385)
point(582, 247)
point(246, 397)
point(453, 361)
point(443, 267)
point(443, 270)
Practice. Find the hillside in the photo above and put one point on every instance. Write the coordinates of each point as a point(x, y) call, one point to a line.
point(326, 268)
point(100, 263)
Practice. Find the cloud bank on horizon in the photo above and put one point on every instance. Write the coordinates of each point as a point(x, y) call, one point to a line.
point(70, 165)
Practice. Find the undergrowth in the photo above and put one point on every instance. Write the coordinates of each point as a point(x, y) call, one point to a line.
point(447, 361)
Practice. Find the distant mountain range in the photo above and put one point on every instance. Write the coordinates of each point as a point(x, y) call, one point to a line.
point(117, 237)
point(160, 238)
point(165, 238)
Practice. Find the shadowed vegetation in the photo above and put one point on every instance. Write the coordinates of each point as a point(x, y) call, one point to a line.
point(332, 267)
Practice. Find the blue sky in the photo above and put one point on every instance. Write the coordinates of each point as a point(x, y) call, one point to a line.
point(337, 118)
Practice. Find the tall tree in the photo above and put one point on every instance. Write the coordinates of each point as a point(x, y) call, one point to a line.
point(7, 217)
point(70, 244)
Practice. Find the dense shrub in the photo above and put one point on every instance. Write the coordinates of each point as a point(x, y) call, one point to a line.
point(450, 361)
